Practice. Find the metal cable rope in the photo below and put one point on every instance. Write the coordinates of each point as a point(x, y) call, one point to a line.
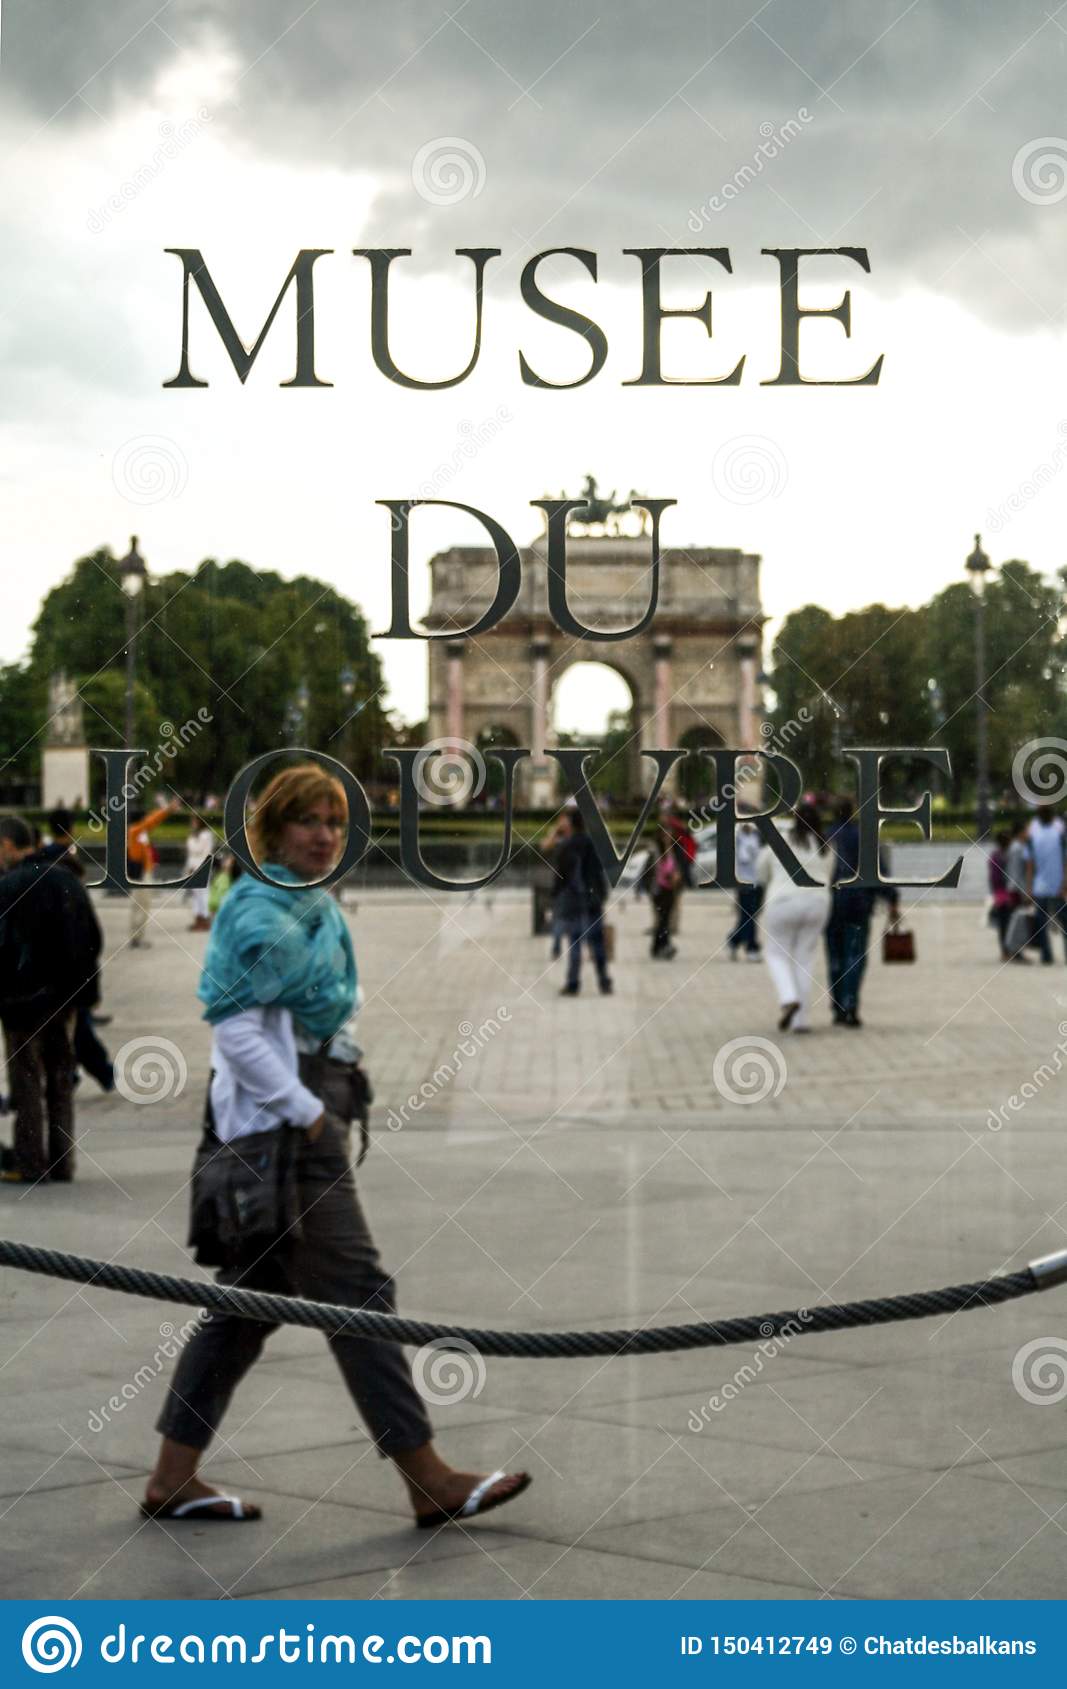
point(533, 1345)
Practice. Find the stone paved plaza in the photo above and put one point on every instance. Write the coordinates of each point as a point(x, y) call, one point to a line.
point(589, 1165)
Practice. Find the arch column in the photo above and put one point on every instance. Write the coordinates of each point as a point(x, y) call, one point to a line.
point(454, 650)
point(542, 776)
point(660, 724)
point(747, 657)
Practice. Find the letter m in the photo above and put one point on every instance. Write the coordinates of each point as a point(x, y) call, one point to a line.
point(241, 356)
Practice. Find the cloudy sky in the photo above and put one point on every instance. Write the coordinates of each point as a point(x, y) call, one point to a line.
point(928, 132)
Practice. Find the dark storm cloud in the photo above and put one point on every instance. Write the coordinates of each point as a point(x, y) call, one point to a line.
point(616, 124)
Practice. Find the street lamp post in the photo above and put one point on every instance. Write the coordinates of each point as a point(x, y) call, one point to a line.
point(132, 577)
point(978, 566)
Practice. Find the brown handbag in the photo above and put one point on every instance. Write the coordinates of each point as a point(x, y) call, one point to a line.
point(898, 943)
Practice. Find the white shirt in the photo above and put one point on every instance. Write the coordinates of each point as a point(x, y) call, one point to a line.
point(746, 852)
point(198, 845)
point(777, 882)
point(256, 1086)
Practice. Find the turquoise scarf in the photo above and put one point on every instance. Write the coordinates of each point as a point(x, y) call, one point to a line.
point(286, 948)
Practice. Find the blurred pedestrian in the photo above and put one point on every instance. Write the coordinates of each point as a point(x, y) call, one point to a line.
point(1005, 897)
point(1017, 862)
point(749, 893)
point(61, 850)
point(49, 955)
point(1047, 874)
point(198, 847)
point(581, 892)
point(685, 855)
point(794, 916)
point(667, 882)
point(227, 870)
point(848, 930)
point(141, 859)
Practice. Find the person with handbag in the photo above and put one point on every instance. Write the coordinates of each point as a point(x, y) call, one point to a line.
point(274, 1198)
point(848, 930)
point(794, 916)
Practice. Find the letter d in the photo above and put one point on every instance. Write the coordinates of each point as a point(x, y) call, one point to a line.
point(120, 1639)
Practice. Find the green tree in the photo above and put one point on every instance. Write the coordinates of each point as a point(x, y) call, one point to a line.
point(22, 709)
point(268, 662)
point(1024, 666)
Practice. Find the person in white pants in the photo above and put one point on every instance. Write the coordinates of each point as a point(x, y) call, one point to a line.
point(199, 845)
point(794, 917)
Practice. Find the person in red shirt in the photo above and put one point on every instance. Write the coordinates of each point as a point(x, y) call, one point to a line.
point(141, 859)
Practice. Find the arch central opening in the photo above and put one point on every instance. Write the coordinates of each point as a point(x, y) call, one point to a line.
point(593, 704)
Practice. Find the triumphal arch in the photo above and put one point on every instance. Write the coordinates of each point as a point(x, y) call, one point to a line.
point(693, 675)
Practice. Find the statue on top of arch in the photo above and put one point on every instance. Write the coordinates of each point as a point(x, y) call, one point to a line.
point(603, 512)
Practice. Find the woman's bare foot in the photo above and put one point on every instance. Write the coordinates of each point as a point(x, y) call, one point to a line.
point(435, 1487)
point(175, 1481)
point(450, 1496)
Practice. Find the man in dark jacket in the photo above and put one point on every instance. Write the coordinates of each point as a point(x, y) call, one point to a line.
point(89, 1052)
point(849, 927)
point(49, 956)
point(581, 891)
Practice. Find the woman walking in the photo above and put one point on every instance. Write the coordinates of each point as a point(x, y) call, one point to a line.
point(666, 889)
point(279, 987)
point(794, 916)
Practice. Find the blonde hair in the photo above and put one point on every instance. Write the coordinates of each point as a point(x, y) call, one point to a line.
point(287, 797)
